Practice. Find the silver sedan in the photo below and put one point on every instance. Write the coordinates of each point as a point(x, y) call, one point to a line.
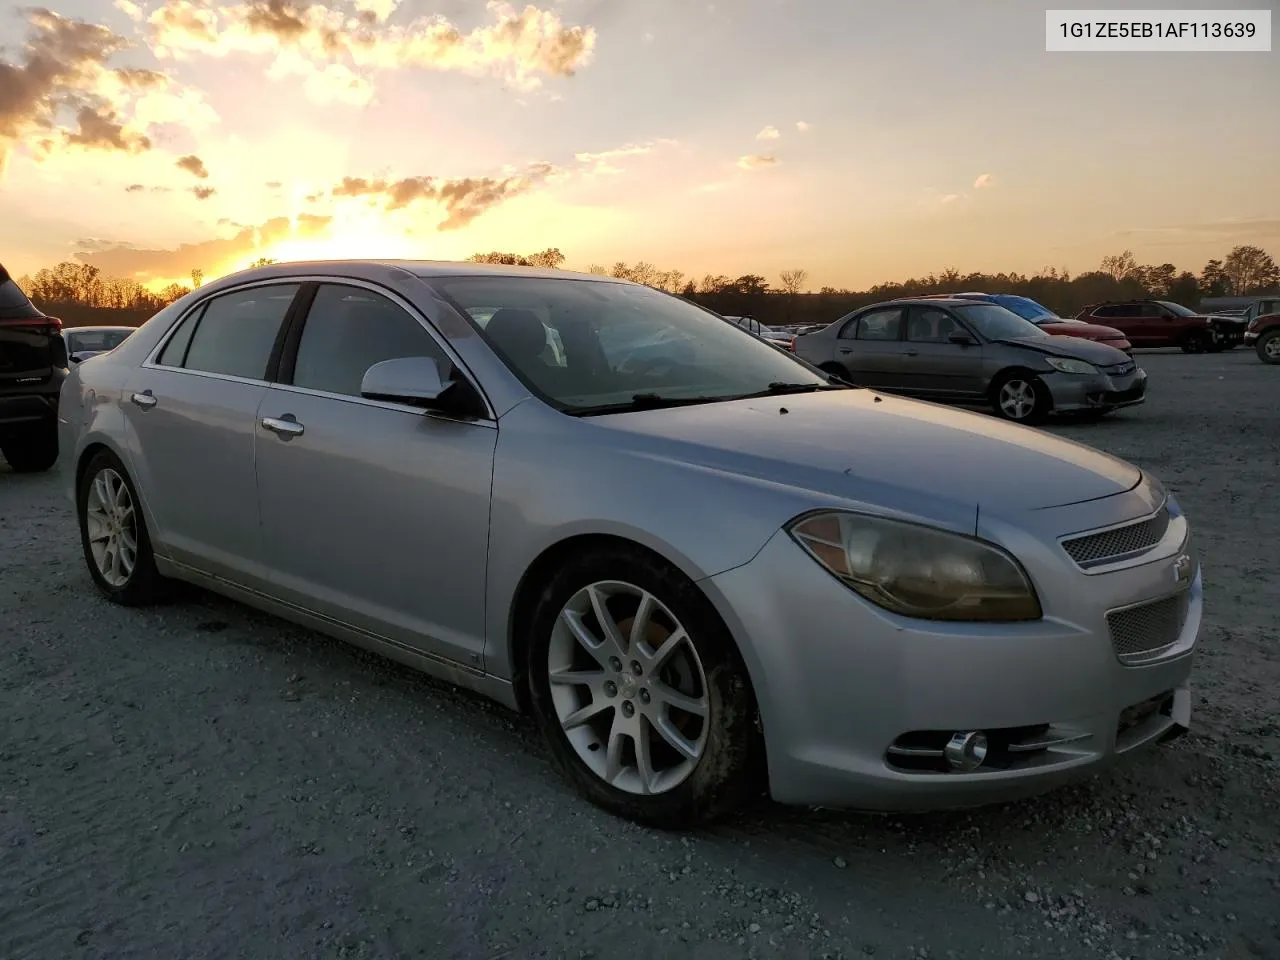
point(705, 570)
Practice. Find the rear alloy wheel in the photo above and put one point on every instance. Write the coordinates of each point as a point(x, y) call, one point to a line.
point(1197, 341)
point(1021, 397)
point(113, 534)
point(33, 454)
point(1268, 347)
point(640, 691)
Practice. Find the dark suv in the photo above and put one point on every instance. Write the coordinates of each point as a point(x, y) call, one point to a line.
point(33, 364)
point(1162, 323)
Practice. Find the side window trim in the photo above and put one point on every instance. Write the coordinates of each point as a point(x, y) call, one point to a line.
point(196, 315)
point(902, 323)
point(289, 352)
point(284, 352)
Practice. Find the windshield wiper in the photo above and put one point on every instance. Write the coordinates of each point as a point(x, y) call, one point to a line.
point(643, 401)
point(781, 387)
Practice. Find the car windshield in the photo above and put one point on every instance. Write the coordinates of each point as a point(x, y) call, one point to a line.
point(1026, 308)
point(1178, 308)
point(997, 323)
point(591, 346)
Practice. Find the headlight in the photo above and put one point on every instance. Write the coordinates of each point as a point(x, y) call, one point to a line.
point(916, 571)
point(1066, 365)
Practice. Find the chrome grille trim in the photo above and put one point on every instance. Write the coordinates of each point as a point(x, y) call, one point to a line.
point(1144, 632)
point(1130, 539)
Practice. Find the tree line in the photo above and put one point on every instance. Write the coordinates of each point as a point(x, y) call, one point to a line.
point(79, 293)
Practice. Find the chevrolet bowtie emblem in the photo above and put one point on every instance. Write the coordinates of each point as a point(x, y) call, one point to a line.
point(1182, 569)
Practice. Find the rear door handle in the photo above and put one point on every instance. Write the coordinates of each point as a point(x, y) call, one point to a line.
point(144, 400)
point(846, 349)
point(284, 427)
point(913, 353)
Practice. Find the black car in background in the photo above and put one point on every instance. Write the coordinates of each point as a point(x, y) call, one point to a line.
point(33, 364)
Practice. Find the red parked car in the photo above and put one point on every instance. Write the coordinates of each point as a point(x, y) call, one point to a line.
point(1048, 321)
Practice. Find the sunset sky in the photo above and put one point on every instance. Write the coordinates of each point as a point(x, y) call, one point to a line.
point(863, 140)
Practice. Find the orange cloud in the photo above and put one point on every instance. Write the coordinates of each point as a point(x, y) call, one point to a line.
point(328, 48)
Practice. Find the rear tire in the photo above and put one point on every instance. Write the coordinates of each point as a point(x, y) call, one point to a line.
point(32, 454)
point(1020, 396)
point(113, 535)
point(1268, 346)
point(668, 741)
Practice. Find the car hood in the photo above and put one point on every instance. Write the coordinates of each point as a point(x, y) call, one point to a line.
point(871, 447)
point(1091, 331)
point(1076, 348)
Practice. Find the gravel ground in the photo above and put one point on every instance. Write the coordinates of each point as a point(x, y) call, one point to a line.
point(203, 781)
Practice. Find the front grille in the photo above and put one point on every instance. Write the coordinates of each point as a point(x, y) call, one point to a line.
point(1096, 548)
point(1142, 633)
point(1120, 369)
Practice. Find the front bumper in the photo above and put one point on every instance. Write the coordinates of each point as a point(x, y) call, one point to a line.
point(1250, 337)
point(1073, 392)
point(841, 684)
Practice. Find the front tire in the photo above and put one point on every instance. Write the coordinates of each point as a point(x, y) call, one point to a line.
point(1268, 347)
point(1021, 397)
point(32, 454)
point(1197, 341)
point(113, 534)
point(640, 692)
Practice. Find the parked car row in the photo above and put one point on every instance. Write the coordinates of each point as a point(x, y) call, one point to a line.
point(705, 569)
point(968, 350)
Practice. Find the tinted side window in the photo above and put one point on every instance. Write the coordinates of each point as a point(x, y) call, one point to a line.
point(347, 331)
point(931, 325)
point(175, 351)
point(1104, 312)
point(1152, 310)
point(880, 325)
point(237, 331)
point(1268, 306)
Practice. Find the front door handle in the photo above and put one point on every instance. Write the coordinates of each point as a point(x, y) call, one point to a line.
point(283, 427)
point(846, 349)
point(913, 353)
point(144, 400)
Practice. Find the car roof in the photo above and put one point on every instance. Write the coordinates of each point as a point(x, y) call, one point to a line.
point(425, 269)
point(930, 300)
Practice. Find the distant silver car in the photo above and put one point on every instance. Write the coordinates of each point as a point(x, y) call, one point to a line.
point(703, 573)
point(974, 353)
point(85, 342)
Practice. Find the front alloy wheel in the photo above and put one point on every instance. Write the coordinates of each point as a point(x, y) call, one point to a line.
point(640, 691)
point(1020, 398)
point(628, 687)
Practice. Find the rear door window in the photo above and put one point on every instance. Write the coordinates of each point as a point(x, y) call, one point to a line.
point(233, 334)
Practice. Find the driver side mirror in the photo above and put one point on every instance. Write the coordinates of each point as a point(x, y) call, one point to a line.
point(962, 339)
point(413, 380)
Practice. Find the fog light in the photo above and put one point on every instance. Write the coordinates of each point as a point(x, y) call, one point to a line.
point(966, 751)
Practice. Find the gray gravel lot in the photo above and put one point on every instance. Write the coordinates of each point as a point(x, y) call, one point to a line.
point(204, 781)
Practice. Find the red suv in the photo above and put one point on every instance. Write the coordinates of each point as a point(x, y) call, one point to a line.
point(1161, 323)
point(1263, 330)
